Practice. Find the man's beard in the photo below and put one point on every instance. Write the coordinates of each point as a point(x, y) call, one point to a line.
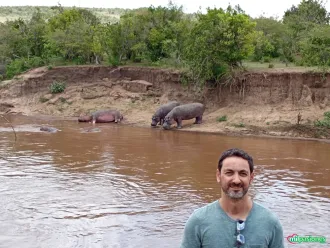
point(235, 195)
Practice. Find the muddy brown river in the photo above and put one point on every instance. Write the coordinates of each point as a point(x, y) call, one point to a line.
point(122, 186)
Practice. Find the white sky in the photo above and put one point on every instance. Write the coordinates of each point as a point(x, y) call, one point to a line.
point(254, 8)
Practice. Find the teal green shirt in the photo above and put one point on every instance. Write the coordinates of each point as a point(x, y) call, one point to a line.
point(211, 227)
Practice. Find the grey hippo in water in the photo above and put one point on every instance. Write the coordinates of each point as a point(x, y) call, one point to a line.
point(48, 129)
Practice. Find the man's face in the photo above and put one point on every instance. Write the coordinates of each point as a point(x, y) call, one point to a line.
point(235, 177)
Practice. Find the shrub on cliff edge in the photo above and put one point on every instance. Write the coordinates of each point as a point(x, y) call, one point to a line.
point(325, 122)
point(57, 87)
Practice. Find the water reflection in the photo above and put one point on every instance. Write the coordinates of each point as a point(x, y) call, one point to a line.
point(135, 187)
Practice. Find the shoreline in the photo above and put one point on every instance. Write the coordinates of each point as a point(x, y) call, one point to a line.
point(186, 128)
point(238, 134)
point(266, 105)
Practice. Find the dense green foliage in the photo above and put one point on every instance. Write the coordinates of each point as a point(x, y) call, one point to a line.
point(57, 87)
point(325, 122)
point(209, 46)
point(218, 40)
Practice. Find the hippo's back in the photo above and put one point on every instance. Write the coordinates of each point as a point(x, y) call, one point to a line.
point(188, 111)
point(105, 112)
point(164, 109)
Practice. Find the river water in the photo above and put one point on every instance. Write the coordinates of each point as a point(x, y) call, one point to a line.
point(121, 186)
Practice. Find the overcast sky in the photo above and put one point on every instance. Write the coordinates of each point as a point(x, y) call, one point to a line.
point(254, 8)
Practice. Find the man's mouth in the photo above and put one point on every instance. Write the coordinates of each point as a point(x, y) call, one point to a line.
point(236, 188)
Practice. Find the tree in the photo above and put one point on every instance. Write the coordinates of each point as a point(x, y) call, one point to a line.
point(74, 43)
point(71, 35)
point(66, 17)
point(220, 39)
point(163, 31)
point(300, 20)
point(307, 12)
point(316, 47)
point(306, 16)
point(36, 33)
point(152, 34)
point(15, 39)
point(263, 47)
point(273, 33)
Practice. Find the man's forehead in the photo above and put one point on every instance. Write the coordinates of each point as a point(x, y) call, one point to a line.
point(236, 163)
point(235, 169)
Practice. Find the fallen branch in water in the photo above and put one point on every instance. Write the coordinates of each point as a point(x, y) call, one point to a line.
point(10, 126)
point(1, 157)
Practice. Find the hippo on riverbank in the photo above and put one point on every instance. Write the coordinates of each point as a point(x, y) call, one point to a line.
point(102, 116)
point(161, 112)
point(184, 112)
point(48, 129)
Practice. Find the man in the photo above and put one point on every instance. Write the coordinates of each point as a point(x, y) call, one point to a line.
point(234, 220)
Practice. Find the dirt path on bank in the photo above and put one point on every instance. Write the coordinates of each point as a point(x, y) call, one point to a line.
point(138, 105)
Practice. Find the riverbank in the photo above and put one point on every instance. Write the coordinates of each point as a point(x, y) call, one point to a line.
point(260, 103)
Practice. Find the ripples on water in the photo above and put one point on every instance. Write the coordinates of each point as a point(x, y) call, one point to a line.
point(132, 187)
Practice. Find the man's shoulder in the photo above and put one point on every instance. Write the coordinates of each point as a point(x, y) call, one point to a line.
point(265, 213)
point(206, 210)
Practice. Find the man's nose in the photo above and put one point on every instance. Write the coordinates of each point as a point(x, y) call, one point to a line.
point(236, 178)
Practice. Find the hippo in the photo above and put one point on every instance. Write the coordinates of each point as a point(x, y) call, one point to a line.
point(91, 130)
point(184, 112)
point(48, 129)
point(102, 116)
point(161, 112)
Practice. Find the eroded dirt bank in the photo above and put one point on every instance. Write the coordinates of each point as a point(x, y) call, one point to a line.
point(258, 103)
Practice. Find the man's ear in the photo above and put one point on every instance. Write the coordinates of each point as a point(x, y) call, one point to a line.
point(251, 177)
point(218, 176)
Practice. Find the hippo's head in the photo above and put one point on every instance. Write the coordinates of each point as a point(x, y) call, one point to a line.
point(48, 129)
point(167, 123)
point(85, 118)
point(155, 120)
point(121, 117)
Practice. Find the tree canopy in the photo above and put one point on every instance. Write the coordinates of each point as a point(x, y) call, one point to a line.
point(208, 45)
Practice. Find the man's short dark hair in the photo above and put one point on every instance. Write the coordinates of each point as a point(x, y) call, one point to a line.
point(235, 152)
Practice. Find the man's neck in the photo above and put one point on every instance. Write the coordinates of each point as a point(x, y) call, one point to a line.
point(236, 209)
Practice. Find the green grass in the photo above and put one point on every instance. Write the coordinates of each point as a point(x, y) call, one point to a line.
point(222, 118)
point(249, 65)
point(239, 125)
point(166, 64)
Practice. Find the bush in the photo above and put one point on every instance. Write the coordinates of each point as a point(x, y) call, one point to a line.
point(15, 67)
point(222, 118)
point(43, 99)
point(20, 65)
point(327, 115)
point(79, 60)
point(325, 122)
point(239, 125)
point(57, 87)
point(35, 62)
point(114, 61)
point(266, 59)
point(137, 60)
